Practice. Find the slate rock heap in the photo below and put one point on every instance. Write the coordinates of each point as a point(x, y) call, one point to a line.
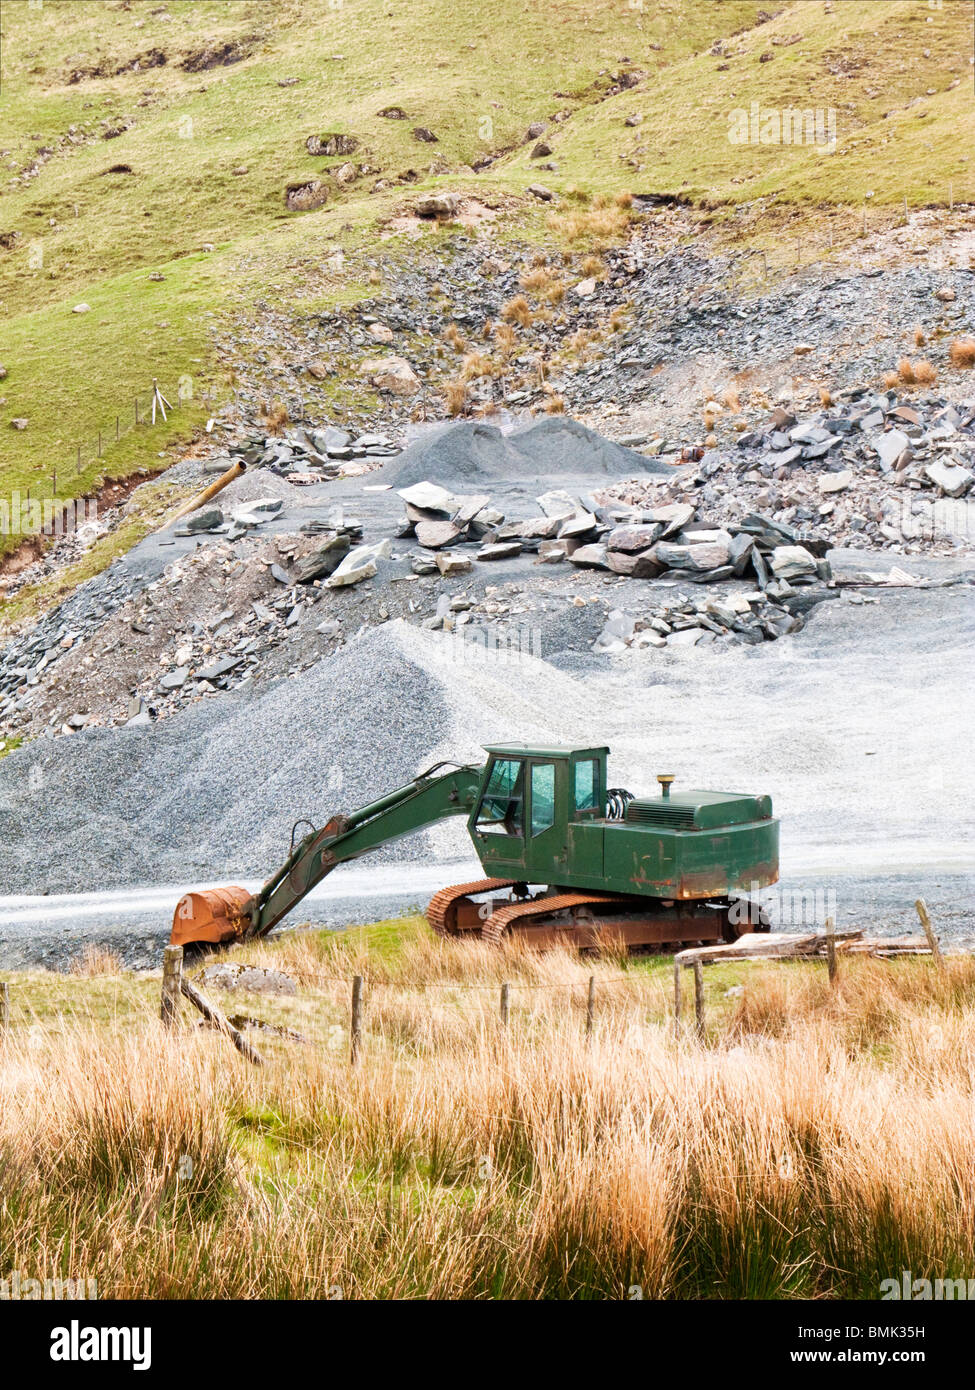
point(308, 455)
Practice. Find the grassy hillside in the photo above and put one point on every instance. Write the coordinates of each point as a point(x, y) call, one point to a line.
point(147, 148)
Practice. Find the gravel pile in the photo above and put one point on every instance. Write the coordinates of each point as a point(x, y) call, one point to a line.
point(213, 792)
point(469, 454)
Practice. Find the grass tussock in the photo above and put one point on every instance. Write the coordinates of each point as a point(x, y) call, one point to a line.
point(816, 1142)
point(455, 397)
point(96, 960)
point(505, 338)
point(599, 226)
point(962, 352)
point(517, 310)
point(275, 417)
point(455, 338)
point(475, 365)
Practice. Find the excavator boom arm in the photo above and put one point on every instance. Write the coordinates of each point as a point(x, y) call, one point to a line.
point(231, 913)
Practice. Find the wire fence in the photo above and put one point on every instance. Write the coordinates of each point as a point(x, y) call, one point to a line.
point(147, 410)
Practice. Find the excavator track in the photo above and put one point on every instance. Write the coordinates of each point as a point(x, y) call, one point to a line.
point(518, 915)
point(442, 911)
point(620, 918)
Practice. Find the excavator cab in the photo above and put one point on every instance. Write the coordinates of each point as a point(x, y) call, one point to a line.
point(529, 797)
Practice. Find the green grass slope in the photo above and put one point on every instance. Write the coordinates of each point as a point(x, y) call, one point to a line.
point(146, 149)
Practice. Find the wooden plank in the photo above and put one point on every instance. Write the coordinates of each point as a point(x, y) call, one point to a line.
point(888, 945)
point(213, 1015)
point(752, 944)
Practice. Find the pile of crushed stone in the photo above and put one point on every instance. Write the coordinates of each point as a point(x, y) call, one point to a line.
point(548, 451)
point(213, 792)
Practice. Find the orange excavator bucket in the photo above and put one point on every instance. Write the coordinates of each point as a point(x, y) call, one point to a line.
point(217, 916)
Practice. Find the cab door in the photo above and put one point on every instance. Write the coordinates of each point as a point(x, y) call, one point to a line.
point(546, 827)
point(497, 824)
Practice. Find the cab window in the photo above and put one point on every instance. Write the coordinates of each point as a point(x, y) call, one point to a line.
point(501, 809)
point(543, 797)
point(586, 785)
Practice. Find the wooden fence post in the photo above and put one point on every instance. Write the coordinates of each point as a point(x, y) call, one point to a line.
point(505, 994)
point(172, 979)
point(355, 1036)
point(591, 1006)
point(677, 998)
point(922, 912)
point(4, 1007)
point(699, 997)
point(831, 965)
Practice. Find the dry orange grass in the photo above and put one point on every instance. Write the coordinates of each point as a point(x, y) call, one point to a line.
point(825, 397)
point(962, 352)
point(536, 279)
point(517, 310)
point(816, 1142)
point(555, 405)
point(925, 372)
point(594, 267)
point(475, 365)
point(920, 337)
point(890, 380)
point(598, 226)
point(505, 338)
point(96, 960)
point(455, 338)
point(905, 371)
point(274, 417)
point(455, 397)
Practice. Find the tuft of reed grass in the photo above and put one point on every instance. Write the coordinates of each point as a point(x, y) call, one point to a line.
point(455, 396)
point(517, 310)
point(96, 960)
point(275, 417)
point(962, 352)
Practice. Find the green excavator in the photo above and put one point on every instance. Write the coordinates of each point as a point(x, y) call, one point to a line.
point(569, 861)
